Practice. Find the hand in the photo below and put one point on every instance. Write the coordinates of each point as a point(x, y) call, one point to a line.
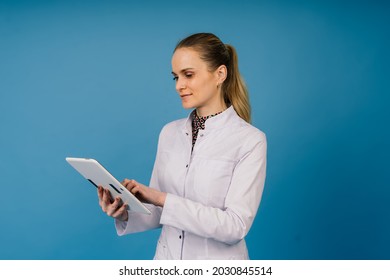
point(144, 193)
point(112, 207)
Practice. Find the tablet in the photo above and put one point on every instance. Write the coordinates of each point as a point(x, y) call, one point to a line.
point(97, 175)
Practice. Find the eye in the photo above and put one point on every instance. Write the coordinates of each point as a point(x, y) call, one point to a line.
point(189, 74)
point(175, 78)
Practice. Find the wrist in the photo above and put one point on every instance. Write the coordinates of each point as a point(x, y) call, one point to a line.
point(162, 198)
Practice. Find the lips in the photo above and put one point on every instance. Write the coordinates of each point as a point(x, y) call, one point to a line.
point(185, 95)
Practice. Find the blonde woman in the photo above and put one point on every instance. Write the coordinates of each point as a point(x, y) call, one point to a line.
point(210, 168)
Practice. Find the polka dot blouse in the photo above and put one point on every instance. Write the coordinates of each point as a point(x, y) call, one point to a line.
point(199, 123)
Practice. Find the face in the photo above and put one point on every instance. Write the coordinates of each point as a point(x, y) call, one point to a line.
point(197, 86)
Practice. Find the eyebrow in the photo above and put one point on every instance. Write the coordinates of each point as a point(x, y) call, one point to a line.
point(183, 70)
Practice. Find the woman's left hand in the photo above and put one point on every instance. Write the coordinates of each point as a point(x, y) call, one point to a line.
point(144, 193)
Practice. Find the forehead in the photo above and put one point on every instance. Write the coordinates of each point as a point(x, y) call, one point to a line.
point(186, 58)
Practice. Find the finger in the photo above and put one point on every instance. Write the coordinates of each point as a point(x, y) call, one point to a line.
point(100, 192)
point(125, 181)
point(102, 201)
point(130, 184)
point(120, 211)
point(113, 212)
point(112, 208)
point(135, 189)
point(128, 181)
point(107, 199)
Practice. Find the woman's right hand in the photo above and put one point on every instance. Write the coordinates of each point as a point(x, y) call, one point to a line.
point(112, 207)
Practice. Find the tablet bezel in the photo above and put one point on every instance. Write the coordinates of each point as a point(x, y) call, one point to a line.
point(97, 175)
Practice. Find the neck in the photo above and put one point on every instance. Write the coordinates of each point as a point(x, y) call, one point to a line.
point(205, 111)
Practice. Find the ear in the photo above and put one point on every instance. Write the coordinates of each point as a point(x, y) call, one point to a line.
point(221, 73)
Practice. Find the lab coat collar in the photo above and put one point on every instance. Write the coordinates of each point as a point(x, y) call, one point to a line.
point(217, 121)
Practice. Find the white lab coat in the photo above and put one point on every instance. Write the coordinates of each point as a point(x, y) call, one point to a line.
point(213, 193)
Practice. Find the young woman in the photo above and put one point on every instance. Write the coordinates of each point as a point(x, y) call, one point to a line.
point(210, 168)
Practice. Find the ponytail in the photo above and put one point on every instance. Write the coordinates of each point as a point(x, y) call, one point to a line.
point(234, 89)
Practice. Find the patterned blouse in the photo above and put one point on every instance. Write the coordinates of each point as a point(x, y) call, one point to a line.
point(199, 123)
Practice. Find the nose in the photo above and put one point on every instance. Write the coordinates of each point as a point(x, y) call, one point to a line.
point(180, 85)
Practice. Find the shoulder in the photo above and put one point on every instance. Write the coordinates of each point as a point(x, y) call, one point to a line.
point(251, 141)
point(248, 133)
point(173, 127)
point(171, 131)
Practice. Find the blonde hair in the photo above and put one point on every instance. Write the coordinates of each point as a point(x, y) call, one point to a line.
point(215, 53)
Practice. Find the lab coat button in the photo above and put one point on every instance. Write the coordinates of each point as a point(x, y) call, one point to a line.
point(187, 166)
point(180, 236)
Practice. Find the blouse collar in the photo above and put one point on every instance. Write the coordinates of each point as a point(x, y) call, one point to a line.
point(199, 122)
point(220, 120)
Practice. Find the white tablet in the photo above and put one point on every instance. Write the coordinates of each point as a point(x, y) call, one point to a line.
point(95, 173)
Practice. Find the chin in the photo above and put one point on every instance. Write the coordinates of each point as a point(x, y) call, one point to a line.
point(188, 105)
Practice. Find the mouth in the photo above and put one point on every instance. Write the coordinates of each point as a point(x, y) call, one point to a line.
point(185, 95)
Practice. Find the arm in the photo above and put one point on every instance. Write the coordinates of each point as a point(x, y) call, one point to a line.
point(232, 223)
point(138, 222)
point(130, 222)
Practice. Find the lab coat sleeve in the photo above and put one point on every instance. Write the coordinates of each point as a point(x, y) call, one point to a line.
point(138, 222)
point(231, 224)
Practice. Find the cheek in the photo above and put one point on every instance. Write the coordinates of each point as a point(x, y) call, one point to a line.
point(208, 88)
point(203, 85)
point(194, 86)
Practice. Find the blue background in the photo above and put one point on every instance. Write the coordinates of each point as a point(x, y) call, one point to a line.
point(92, 79)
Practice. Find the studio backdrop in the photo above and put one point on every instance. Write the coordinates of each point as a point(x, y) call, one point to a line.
point(93, 79)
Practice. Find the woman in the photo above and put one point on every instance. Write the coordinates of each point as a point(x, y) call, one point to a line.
point(209, 172)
